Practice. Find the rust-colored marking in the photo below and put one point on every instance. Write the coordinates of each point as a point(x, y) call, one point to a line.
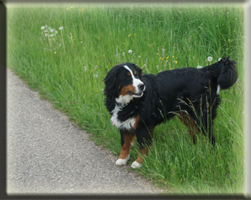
point(124, 91)
point(127, 145)
point(137, 118)
point(128, 74)
point(141, 153)
point(135, 73)
point(189, 123)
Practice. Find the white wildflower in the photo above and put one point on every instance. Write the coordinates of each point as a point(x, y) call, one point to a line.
point(51, 35)
point(209, 58)
point(95, 75)
point(219, 59)
point(130, 51)
point(199, 67)
point(123, 53)
point(227, 13)
point(85, 68)
point(139, 56)
point(42, 27)
point(45, 26)
point(51, 30)
point(45, 31)
point(56, 32)
point(61, 28)
point(46, 35)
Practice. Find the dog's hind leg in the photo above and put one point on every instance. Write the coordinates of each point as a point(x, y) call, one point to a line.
point(126, 140)
point(189, 123)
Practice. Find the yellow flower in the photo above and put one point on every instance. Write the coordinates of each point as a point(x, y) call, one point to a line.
point(129, 35)
point(55, 52)
point(71, 6)
point(173, 56)
point(106, 67)
point(167, 57)
point(134, 34)
point(54, 22)
point(67, 8)
point(157, 53)
point(159, 57)
point(73, 39)
point(82, 8)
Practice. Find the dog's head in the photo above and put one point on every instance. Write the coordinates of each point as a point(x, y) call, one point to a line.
point(124, 83)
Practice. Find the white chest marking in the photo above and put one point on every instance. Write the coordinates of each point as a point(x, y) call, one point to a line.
point(124, 100)
point(127, 124)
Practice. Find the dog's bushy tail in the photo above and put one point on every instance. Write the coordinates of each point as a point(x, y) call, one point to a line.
point(224, 73)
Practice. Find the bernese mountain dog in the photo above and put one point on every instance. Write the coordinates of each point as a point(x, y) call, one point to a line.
point(137, 103)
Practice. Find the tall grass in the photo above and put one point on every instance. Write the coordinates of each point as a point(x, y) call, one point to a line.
point(68, 69)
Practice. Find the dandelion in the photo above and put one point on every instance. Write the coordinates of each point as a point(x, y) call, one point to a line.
point(209, 58)
point(167, 57)
point(55, 52)
point(134, 34)
point(130, 51)
point(42, 28)
point(176, 61)
point(51, 30)
point(85, 68)
point(45, 31)
point(199, 67)
point(61, 28)
point(173, 56)
point(46, 35)
point(106, 66)
point(71, 6)
point(159, 57)
point(67, 8)
point(56, 32)
point(139, 56)
point(51, 35)
point(129, 35)
point(157, 53)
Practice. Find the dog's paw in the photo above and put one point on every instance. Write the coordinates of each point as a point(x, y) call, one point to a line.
point(135, 164)
point(122, 161)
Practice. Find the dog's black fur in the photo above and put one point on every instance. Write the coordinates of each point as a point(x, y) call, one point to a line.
point(189, 90)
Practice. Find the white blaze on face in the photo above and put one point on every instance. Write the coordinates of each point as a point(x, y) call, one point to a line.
point(135, 81)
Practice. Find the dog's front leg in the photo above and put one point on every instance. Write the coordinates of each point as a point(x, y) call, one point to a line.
point(144, 138)
point(126, 140)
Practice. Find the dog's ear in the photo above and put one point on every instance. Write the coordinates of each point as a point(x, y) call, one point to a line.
point(111, 78)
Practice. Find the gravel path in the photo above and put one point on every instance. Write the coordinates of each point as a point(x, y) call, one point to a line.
point(47, 154)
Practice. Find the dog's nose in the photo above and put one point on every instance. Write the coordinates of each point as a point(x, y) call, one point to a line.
point(141, 87)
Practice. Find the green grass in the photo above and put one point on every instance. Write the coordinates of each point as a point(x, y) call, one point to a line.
point(69, 68)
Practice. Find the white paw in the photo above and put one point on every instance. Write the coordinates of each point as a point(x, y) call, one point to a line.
point(122, 161)
point(135, 164)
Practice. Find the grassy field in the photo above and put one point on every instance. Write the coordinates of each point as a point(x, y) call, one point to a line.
point(64, 51)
